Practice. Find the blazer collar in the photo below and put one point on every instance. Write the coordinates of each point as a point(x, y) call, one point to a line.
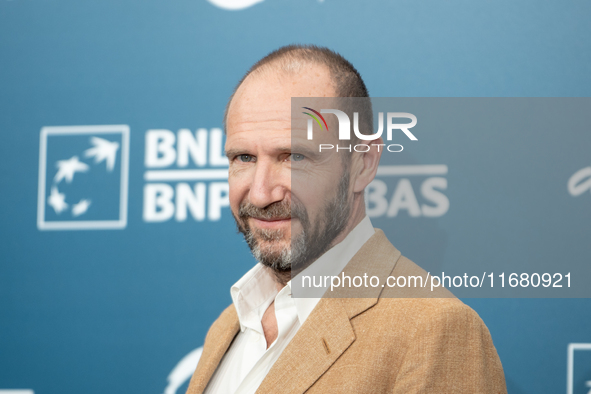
point(323, 337)
point(221, 335)
point(328, 332)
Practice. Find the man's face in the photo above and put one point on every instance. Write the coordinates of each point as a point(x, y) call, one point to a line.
point(289, 200)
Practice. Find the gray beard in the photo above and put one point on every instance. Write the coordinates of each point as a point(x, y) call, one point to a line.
point(305, 248)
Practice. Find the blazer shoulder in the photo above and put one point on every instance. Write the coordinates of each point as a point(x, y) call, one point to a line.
point(420, 303)
point(411, 281)
point(454, 346)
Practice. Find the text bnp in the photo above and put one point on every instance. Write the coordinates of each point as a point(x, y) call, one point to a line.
point(187, 175)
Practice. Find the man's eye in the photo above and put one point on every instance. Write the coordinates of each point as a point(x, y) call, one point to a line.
point(297, 157)
point(245, 158)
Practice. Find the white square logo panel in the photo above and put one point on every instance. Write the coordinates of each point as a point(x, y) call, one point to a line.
point(83, 177)
point(579, 368)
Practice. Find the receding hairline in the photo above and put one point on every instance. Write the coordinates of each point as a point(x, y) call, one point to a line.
point(277, 70)
point(292, 59)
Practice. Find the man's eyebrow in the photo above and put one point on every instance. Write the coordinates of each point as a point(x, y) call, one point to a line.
point(233, 152)
point(287, 149)
point(304, 150)
point(301, 149)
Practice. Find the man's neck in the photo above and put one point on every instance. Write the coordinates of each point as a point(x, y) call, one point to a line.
point(356, 216)
point(281, 278)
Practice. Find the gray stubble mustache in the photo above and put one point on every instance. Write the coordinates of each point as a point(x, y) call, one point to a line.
point(275, 211)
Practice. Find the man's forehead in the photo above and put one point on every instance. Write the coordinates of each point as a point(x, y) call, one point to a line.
point(268, 93)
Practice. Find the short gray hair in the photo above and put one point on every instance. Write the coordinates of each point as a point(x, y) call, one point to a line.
point(290, 58)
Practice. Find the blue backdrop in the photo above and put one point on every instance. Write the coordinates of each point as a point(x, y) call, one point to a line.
point(111, 299)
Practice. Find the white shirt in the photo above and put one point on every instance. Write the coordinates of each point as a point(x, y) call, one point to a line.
point(247, 361)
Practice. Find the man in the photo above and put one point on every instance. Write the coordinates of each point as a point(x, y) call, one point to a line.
point(300, 210)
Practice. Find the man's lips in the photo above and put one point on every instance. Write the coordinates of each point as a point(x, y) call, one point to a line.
point(271, 223)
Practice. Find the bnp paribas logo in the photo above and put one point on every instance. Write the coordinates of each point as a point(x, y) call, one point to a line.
point(83, 177)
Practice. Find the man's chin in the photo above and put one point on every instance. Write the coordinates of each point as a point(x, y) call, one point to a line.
point(275, 247)
point(278, 259)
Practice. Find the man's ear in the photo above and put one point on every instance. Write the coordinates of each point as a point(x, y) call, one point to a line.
point(367, 166)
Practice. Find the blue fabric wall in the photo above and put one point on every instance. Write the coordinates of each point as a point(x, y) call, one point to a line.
point(115, 310)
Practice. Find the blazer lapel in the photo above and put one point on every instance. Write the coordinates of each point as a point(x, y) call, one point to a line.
point(325, 335)
point(218, 341)
point(328, 332)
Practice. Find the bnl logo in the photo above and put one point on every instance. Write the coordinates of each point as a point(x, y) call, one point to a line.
point(83, 177)
point(579, 368)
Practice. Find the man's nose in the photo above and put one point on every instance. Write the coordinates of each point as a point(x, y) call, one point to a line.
point(269, 184)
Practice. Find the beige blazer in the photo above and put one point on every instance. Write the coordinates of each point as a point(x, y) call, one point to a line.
point(375, 344)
